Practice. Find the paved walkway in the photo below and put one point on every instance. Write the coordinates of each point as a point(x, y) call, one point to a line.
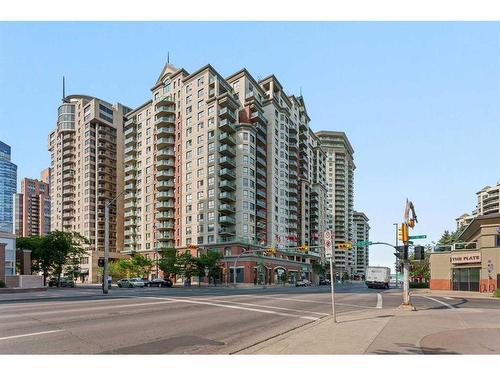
point(393, 331)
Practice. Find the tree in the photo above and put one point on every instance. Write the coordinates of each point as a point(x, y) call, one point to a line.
point(139, 265)
point(168, 263)
point(319, 269)
point(51, 253)
point(449, 238)
point(208, 262)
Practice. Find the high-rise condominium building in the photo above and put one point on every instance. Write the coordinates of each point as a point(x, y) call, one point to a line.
point(488, 202)
point(32, 207)
point(221, 164)
point(87, 171)
point(340, 185)
point(361, 233)
point(8, 187)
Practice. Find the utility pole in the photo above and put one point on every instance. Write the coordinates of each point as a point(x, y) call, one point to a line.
point(397, 261)
point(408, 223)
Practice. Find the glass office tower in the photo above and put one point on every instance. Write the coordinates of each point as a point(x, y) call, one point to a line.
point(8, 187)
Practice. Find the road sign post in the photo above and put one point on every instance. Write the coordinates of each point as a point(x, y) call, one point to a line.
point(329, 254)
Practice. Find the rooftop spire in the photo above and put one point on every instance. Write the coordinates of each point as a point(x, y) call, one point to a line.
point(168, 57)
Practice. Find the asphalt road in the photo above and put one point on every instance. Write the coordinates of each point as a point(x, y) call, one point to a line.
point(177, 320)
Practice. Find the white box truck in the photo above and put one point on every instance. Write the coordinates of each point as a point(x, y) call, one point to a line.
point(378, 277)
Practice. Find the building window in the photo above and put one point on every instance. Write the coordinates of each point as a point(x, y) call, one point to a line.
point(498, 240)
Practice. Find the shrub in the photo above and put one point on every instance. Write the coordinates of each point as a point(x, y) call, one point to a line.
point(2, 284)
point(419, 285)
point(496, 293)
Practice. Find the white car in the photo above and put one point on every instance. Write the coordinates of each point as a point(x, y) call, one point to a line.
point(303, 282)
point(131, 283)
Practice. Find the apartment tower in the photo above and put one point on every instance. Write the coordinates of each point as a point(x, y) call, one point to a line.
point(361, 253)
point(32, 206)
point(86, 172)
point(219, 164)
point(340, 184)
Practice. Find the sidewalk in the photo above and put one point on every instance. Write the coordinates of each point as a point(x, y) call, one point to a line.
point(393, 331)
point(452, 293)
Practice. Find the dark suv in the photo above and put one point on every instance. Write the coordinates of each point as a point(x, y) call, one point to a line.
point(63, 282)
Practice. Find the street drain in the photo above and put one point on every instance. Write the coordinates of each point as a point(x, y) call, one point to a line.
point(165, 346)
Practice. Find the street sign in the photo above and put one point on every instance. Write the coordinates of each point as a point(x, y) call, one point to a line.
point(417, 237)
point(328, 244)
point(363, 243)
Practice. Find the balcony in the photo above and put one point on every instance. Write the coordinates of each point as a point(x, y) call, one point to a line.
point(226, 126)
point(261, 182)
point(165, 141)
point(164, 130)
point(261, 151)
point(226, 113)
point(165, 153)
point(258, 116)
point(226, 231)
point(165, 185)
point(227, 173)
point(226, 208)
point(227, 220)
point(130, 141)
point(227, 185)
point(163, 164)
point(130, 168)
point(227, 197)
point(130, 187)
point(227, 139)
point(130, 177)
point(161, 206)
point(129, 205)
point(129, 131)
point(166, 100)
point(129, 223)
point(128, 214)
point(129, 196)
point(261, 203)
point(166, 225)
point(130, 159)
point(165, 110)
point(129, 150)
point(162, 195)
point(226, 161)
point(227, 150)
point(162, 215)
point(162, 175)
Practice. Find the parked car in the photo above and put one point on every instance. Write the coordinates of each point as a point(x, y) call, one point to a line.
point(325, 282)
point(161, 283)
point(63, 282)
point(130, 283)
point(303, 282)
point(146, 281)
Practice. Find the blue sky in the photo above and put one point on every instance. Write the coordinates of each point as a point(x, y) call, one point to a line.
point(419, 101)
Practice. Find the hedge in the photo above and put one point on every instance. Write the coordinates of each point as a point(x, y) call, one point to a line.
point(419, 285)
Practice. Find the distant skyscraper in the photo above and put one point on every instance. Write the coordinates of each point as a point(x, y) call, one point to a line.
point(8, 186)
point(361, 233)
point(32, 207)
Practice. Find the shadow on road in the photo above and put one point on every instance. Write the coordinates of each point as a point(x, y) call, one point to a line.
point(412, 349)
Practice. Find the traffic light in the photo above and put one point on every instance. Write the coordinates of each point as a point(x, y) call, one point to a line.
point(403, 232)
point(100, 262)
point(419, 253)
point(401, 252)
point(303, 248)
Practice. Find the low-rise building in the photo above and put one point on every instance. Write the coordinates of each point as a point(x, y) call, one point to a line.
point(471, 264)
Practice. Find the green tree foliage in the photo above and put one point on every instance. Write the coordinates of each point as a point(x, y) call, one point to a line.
point(168, 263)
point(54, 252)
point(319, 269)
point(208, 262)
point(449, 238)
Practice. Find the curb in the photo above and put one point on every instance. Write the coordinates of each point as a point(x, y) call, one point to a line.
point(22, 290)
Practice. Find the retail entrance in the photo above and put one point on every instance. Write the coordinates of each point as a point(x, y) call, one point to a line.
point(466, 279)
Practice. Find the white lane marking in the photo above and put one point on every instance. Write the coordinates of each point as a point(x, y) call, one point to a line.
point(31, 334)
point(270, 307)
point(441, 302)
point(308, 301)
point(25, 305)
point(83, 309)
point(379, 301)
point(448, 298)
point(187, 300)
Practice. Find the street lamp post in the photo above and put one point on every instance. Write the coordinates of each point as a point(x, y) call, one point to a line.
point(105, 286)
point(396, 225)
